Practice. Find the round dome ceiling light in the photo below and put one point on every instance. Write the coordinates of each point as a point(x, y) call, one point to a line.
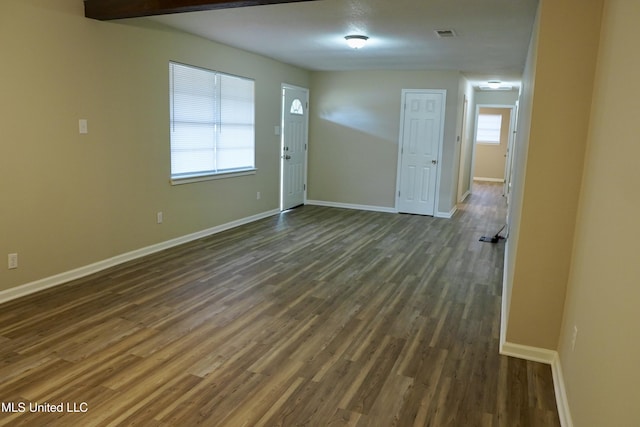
point(356, 41)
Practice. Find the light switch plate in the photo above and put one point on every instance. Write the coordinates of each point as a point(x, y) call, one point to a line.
point(83, 126)
point(12, 261)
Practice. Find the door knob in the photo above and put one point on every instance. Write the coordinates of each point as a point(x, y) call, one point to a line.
point(286, 157)
point(433, 162)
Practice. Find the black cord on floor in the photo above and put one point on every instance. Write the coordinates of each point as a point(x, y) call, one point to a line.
point(495, 238)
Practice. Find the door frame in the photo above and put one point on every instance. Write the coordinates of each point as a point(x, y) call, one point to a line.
point(283, 87)
point(508, 174)
point(475, 136)
point(464, 154)
point(436, 196)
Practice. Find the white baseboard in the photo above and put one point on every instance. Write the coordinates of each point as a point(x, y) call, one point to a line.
point(447, 215)
point(534, 354)
point(384, 209)
point(352, 206)
point(542, 355)
point(58, 279)
point(481, 178)
point(464, 196)
point(561, 393)
point(549, 357)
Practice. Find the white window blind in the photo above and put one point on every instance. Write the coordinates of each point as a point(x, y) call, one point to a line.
point(489, 126)
point(212, 122)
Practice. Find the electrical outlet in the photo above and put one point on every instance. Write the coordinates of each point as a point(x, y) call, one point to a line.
point(258, 195)
point(12, 261)
point(159, 217)
point(574, 337)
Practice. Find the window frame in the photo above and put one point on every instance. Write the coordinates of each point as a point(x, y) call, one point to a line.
point(499, 130)
point(217, 123)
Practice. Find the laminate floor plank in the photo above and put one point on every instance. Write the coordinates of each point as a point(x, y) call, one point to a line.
point(317, 316)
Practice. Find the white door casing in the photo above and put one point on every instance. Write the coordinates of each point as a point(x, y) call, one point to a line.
point(420, 148)
point(510, 153)
point(293, 149)
point(464, 152)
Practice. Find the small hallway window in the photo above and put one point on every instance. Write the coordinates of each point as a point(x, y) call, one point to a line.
point(488, 130)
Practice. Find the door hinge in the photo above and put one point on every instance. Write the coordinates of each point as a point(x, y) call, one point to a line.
point(304, 186)
point(398, 194)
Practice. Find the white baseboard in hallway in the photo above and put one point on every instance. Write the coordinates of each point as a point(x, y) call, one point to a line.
point(549, 357)
point(484, 179)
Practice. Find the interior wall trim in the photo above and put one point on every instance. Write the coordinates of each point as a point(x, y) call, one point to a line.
point(549, 357)
point(58, 279)
point(446, 215)
point(487, 179)
point(534, 354)
point(561, 392)
point(352, 206)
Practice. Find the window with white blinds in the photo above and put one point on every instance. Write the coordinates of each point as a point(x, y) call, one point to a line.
point(212, 119)
point(488, 129)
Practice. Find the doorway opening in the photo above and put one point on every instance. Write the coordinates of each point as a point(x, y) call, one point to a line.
point(493, 144)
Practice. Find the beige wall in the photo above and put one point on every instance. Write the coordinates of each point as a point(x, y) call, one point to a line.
point(490, 159)
point(602, 372)
point(69, 200)
point(354, 131)
point(549, 167)
point(520, 147)
point(496, 97)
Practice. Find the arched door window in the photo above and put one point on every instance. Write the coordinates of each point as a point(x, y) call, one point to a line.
point(296, 107)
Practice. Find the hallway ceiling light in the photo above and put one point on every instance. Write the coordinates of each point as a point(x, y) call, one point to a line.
point(495, 85)
point(356, 41)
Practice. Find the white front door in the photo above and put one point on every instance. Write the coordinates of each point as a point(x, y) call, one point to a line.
point(293, 150)
point(421, 136)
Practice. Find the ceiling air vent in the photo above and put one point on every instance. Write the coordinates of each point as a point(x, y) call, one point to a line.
point(445, 33)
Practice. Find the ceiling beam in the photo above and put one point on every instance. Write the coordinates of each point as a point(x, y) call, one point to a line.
point(105, 10)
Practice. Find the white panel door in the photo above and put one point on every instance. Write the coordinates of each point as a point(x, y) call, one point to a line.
point(420, 143)
point(294, 146)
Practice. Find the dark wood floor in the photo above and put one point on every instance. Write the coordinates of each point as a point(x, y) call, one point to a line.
point(319, 316)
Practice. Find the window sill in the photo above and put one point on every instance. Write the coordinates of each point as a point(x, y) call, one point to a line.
point(209, 177)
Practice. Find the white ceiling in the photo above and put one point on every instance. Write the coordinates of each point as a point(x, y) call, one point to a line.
point(491, 43)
